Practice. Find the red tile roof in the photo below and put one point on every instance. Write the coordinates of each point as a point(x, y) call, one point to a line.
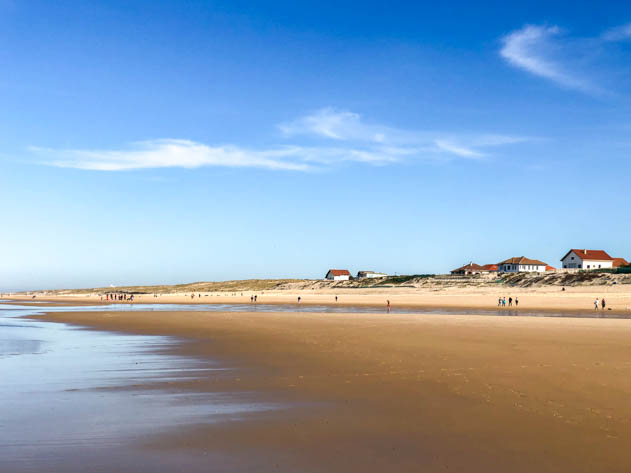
point(550, 268)
point(339, 272)
point(523, 260)
point(618, 262)
point(468, 267)
point(490, 267)
point(590, 255)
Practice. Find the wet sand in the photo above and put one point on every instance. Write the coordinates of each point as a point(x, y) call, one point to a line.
point(403, 393)
point(75, 400)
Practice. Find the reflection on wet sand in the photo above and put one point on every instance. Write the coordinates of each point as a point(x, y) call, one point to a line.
point(316, 308)
point(73, 398)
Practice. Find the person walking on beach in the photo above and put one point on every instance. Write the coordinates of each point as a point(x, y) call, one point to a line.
point(388, 305)
point(510, 301)
point(603, 303)
point(255, 298)
point(335, 298)
point(251, 299)
point(516, 302)
point(504, 301)
point(298, 299)
point(596, 304)
point(499, 301)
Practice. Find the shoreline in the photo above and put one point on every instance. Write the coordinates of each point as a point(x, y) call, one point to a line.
point(570, 302)
point(405, 392)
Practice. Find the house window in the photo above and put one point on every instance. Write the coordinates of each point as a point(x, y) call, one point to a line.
point(587, 266)
point(572, 257)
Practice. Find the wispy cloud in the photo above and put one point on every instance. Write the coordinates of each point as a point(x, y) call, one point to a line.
point(334, 124)
point(591, 65)
point(538, 50)
point(334, 137)
point(167, 153)
point(619, 33)
point(344, 126)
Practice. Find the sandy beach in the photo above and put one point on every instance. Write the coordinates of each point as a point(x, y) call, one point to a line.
point(403, 393)
point(547, 298)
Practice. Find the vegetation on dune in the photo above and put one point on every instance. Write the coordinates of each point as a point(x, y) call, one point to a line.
point(221, 286)
point(402, 279)
point(421, 281)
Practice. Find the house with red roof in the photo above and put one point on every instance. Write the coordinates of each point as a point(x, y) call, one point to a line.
point(472, 268)
point(338, 275)
point(468, 269)
point(521, 264)
point(587, 259)
point(620, 262)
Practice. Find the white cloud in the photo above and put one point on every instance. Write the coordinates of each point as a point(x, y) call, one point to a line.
point(536, 49)
point(341, 137)
point(335, 124)
point(346, 126)
point(592, 65)
point(168, 153)
point(618, 33)
point(457, 150)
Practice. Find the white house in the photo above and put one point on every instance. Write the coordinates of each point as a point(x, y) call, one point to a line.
point(521, 264)
point(587, 259)
point(338, 275)
point(370, 275)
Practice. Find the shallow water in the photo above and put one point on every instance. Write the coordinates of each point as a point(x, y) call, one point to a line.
point(315, 308)
point(77, 400)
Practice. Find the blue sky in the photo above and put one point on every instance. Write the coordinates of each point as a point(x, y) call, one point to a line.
point(166, 142)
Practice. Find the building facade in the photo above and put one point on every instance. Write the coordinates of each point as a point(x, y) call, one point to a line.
point(370, 275)
point(338, 275)
point(521, 264)
point(587, 259)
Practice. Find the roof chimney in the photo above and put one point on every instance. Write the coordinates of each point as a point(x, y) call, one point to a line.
point(584, 252)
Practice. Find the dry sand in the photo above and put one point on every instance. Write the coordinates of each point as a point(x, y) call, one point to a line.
point(547, 298)
point(405, 393)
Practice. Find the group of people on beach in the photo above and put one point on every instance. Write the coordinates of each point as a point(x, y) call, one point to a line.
point(118, 297)
point(602, 303)
point(501, 302)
